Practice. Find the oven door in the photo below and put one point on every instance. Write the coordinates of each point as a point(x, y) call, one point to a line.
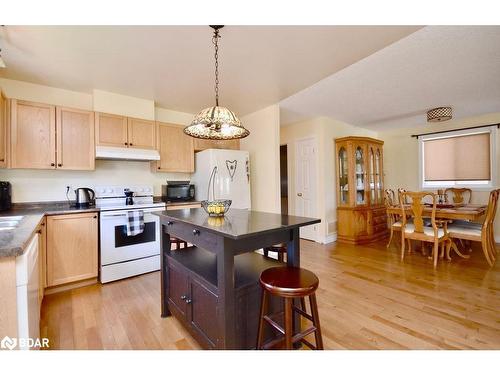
point(117, 247)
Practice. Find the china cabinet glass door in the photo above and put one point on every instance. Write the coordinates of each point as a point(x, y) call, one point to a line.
point(378, 177)
point(373, 197)
point(359, 174)
point(343, 177)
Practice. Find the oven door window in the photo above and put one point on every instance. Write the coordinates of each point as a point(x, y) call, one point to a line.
point(148, 235)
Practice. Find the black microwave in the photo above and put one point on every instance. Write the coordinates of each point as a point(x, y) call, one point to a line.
point(177, 191)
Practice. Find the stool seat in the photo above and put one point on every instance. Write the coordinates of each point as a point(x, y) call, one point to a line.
point(289, 281)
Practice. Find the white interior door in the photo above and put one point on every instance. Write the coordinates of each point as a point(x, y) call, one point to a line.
point(305, 184)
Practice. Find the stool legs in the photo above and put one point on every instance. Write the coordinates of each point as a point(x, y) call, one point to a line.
point(263, 309)
point(315, 315)
point(289, 320)
point(288, 323)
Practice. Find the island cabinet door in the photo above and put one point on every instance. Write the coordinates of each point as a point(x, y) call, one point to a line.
point(203, 312)
point(178, 289)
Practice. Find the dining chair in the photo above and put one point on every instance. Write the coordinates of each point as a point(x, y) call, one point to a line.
point(459, 195)
point(401, 191)
point(477, 232)
point(393, 219)
point(416, 229)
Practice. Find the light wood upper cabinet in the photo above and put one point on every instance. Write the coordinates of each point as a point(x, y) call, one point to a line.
point(71, 248)
point(141, 133)
point(204, 144)
point(3, 131)
point(111, 130)
point(176, 149)
point(121, 131)
point(75, 139)
point(33, 141)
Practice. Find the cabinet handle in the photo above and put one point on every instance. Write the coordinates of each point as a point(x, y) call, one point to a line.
point(130, 144)
point(299, 194)
point(1, 160)
point(159, 168)
point(126, 144)
point(59, 165)
point(52, 164)
point(184, 298)
point(95, 217)
point(196, 232)
point(170, 222)
point(188, 301)
point(39, 231)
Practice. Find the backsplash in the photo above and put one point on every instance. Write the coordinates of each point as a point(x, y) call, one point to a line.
point(30, 185)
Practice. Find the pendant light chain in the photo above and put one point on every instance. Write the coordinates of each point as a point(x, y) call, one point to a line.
point(216, 123)
point(215, 41)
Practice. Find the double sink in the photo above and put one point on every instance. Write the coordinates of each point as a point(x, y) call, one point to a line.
point(9, 222)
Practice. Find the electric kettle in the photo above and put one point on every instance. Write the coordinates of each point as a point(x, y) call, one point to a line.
point(85, 197)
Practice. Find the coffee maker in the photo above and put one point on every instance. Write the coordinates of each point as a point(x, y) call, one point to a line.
point(5, 196)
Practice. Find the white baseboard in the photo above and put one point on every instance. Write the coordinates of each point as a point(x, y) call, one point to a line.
point(330, 238)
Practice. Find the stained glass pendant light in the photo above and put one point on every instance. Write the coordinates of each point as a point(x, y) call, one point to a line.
point(217, 123)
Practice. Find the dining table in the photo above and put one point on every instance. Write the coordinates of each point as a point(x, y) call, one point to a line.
point(466, 212)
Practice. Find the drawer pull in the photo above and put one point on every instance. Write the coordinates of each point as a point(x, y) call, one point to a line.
point(184, 298)
point(196, 232)
point(188, 301)
point(170, 223)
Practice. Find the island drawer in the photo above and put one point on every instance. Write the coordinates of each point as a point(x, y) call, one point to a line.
point(195, 235)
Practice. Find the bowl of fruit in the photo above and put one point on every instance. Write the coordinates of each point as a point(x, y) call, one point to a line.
point(216, 207)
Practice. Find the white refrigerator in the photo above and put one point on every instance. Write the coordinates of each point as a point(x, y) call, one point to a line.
point(232, 177)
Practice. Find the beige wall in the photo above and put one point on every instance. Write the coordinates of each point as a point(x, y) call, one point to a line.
point(325, 130)
point(45, 94)
point(48, 185)
point(109, 102)
point(401, 155)
point(263, 146)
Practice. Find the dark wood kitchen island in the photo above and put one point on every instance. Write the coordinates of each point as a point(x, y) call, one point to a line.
point(212, 287)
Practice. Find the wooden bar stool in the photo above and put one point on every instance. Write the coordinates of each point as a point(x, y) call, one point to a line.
point(278, 248)
point(177, 242)
point(289, 283)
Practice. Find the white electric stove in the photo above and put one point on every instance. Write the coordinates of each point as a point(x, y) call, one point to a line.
point(121, 255)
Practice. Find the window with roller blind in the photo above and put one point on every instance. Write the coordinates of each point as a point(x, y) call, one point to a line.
point(459, 158)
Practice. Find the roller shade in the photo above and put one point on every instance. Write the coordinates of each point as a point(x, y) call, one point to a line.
point(458, 158)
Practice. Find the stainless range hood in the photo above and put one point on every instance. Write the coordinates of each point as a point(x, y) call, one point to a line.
point(121, 153)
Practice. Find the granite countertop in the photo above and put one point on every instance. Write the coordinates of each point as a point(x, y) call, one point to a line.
point(14, 241)
point(238, 223)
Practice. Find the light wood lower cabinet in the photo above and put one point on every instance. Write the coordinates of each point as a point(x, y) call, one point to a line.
point(71, 248)
point(3, 131)
point(204, 144)
point(176, 149)
point(42, 253)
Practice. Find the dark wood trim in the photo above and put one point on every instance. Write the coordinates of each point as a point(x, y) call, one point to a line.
point(454, 130)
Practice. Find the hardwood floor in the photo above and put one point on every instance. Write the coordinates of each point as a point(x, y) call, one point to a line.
point(367, 299)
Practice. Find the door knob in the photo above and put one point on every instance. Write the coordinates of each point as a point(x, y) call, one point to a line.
point(299, 194)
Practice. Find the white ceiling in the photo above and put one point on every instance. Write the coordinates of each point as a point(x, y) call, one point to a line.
point(457, 66)
point(173, 65)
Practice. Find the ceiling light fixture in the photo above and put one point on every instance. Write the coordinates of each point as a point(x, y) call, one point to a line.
point(439, 114)
point(218, 123)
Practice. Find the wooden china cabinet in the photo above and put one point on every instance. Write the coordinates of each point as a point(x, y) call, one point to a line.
point(361, 215)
